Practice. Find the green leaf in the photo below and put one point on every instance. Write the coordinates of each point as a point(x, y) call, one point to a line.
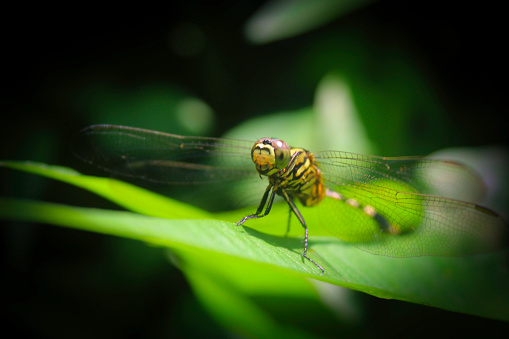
point(128, 196)
point(476, 284)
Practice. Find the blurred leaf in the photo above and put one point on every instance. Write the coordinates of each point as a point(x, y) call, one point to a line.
point(151, 106)
point(240, 298)
point(479, 283)
point(281, 19)
point(333, 123)
point(337, 121)
point(492, 163)
point(391, 90)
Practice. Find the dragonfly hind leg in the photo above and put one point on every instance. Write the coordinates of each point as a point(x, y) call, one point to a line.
point(301, 219)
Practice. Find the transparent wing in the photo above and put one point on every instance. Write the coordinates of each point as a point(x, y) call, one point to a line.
point(408, 206)
point(220, 171)
point(420, 175)
point(163, 158)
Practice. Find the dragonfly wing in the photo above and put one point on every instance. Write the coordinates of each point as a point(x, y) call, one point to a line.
point(163, 158)
point(390, 210)
point(443, 178)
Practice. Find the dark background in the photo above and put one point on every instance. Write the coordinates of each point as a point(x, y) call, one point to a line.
point(61, 283)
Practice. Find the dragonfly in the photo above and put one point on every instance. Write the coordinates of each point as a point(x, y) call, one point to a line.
point(396, 206)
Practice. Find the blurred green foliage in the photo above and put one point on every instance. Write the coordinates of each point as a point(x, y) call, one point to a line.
point(412, 79)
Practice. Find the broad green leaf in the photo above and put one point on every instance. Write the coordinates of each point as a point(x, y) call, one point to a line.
point(478, 283)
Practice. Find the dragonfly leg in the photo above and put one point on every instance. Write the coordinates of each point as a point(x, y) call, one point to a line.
point(260, 207)
point(301, 219)
point(289, 221)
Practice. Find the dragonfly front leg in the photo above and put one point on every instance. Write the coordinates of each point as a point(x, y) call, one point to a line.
point(260, 207)
point(296, 211)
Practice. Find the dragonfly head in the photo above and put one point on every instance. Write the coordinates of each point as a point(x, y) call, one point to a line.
point(270, 155)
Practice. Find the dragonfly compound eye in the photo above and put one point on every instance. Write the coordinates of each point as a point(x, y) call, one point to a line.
point(282, 153)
